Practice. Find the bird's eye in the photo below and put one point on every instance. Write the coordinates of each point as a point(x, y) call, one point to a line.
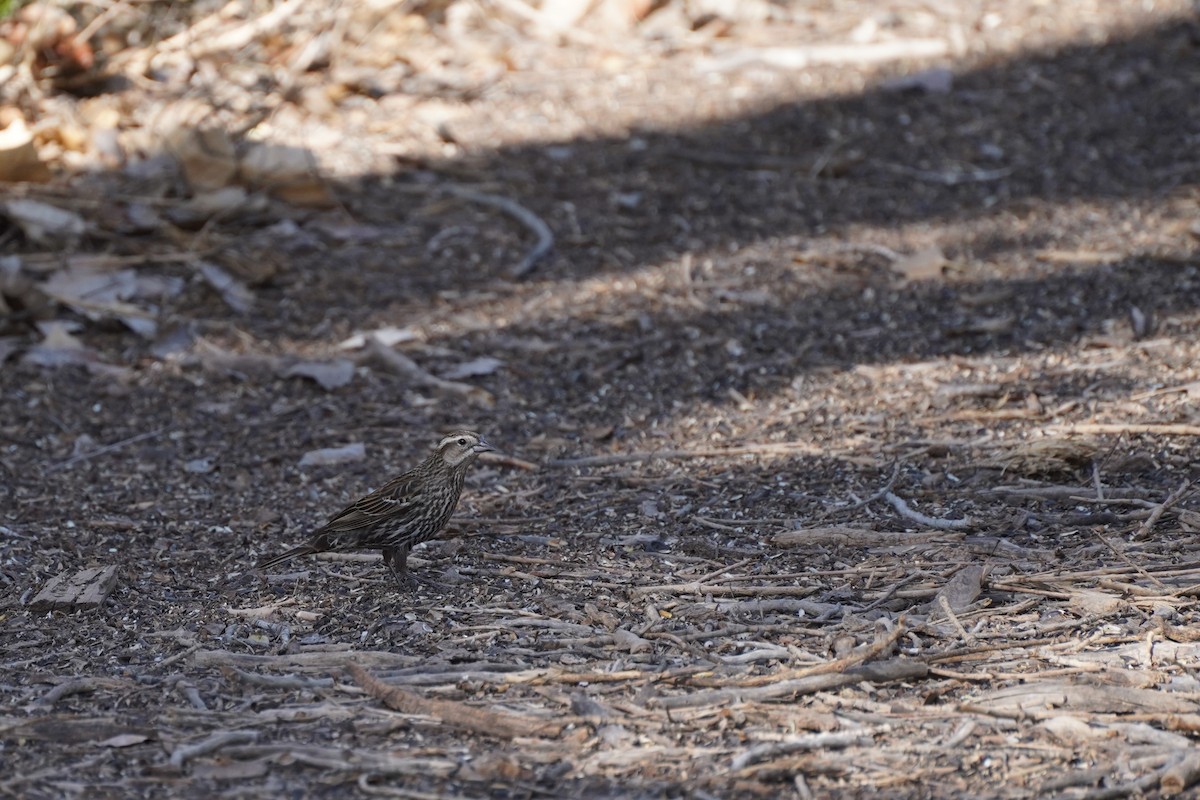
point(462, 442)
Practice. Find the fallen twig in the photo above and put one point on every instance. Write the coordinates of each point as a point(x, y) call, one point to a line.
point(944, 604)
point(856, 656)
point(897, 669)
point(345, 759)
point(311, 660)
point(727, 590)
point(1180, 775)
point(508, 461)
point(1150, 428)
point(281, 681)
point(76, 686)
point(108, 448)
point(211, 744)
point(1147, 526)
point(831, 740)
point(457, 715)
point(406, 367)
point(761, 449)
point(545, 238)
point(903, 509)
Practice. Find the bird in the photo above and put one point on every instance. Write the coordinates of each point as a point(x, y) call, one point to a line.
point(407, 510)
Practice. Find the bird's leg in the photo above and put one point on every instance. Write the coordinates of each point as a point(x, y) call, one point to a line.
point(396, 559)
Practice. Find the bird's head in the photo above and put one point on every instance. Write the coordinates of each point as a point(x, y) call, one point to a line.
point(460, 448)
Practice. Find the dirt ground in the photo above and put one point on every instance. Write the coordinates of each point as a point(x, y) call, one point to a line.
point(847, 428)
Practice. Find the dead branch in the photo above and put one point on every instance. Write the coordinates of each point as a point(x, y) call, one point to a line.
point(1140, 786)
point(457, 715)
point(344, 759)
point(832, 740)
point(903, 509)
point(508, 461)
point(728, 590)
point(545, 238)
point(963, 634)
point(314, 661)
point(166, 662)
point(108, 448)
point(281, 681)
point(1145, 529)
point(898, 669)
point(77, 686)
point(211, 744)
point(849, 536)
point(1148, 428)
point(856, 656)
point(407, 368)
point(760, 449)
point(1182, 774)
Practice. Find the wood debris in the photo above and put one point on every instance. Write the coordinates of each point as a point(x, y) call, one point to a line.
point(84, 590)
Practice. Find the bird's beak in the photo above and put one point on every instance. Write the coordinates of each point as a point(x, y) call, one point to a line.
point(483, 447)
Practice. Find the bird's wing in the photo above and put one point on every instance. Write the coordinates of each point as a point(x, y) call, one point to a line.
point(396, 498)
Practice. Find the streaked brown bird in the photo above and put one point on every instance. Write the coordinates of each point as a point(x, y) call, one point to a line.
point(405, 511)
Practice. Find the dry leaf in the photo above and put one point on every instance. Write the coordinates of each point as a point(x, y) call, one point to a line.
point(235, 293)
point(100, 294)
point(1072, 731)
point(334, 455)
point(19, 159)
point(631, 641)
point(44, 223)
point(388, 336)
point(921, 265)
point(124, 740)
point(1091, 601)
point(199, 466)
point(962, 589)
point(329, 374)
point(473, 369)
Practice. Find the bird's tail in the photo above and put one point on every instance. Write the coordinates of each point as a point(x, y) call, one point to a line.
point(302, 550)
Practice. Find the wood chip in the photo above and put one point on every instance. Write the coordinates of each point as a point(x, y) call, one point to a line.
point(84, 590)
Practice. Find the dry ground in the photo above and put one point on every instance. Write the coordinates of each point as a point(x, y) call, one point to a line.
point(780, 302)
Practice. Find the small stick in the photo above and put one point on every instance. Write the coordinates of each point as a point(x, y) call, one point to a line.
point(1125, 558)
point(166, 662)
point(814, 741)
point(457, 715)
point(405, 366)
point(933, 522)
point(508, 461)
point(1147, 526)
point(950, 615)
point(108, 448)
point(1151, 428)
point(545, 238)
point(216, 741)
point(761, 449)
point(882, 493)
point(1180, 775)
point(858, 655)
point(66, 688)
point(281, 681)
